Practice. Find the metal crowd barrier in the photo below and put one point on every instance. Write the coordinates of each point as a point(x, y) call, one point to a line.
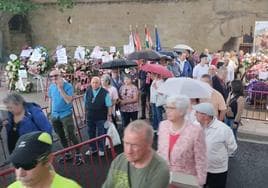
point(79, 114)
point(3, 78)
point(256, 106)
point(92, 173)
point(7, 176)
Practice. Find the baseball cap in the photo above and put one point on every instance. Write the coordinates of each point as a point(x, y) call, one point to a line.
point(30, 148)
point(205, 108)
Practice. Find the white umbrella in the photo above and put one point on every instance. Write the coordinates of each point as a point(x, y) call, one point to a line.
point(185, 86)
point(181, 47)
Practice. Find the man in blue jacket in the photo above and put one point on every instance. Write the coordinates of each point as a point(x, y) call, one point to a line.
point(185, 67)
point(23, 118)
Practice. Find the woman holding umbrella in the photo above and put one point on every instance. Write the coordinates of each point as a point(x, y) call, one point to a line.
point(181, 143)
point(128, 101)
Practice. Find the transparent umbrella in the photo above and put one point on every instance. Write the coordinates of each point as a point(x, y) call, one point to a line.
point(185, 86)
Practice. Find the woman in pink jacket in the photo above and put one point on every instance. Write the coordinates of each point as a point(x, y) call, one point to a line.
point(180, 143)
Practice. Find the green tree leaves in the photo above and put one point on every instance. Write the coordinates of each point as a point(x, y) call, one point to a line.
point(24, 6)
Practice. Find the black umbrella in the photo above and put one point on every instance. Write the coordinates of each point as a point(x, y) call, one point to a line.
point(150, 55)
point(118, 63)
point(169, 53)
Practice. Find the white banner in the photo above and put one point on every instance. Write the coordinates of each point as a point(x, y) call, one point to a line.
point(26, 53)
point(61, 56)
point(36, 55)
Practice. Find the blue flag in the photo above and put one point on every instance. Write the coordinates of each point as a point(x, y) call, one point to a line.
point(157, 41)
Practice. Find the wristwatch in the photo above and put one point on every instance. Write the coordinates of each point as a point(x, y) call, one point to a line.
point(235, 122)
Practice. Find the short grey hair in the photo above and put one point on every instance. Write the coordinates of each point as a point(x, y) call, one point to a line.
point(139, 126)
point(181, 102)
point(14, 98)
point(106, 78)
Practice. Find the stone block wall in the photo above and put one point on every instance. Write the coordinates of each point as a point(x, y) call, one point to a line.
point(198, 23)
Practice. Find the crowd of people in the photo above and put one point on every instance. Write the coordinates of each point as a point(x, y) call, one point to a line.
point(195, 136)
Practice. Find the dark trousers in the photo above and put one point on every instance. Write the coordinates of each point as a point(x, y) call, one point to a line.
point(64, 127)
point(127, 116)
point(95, 129)
point(157, 113)
point(216, 180)
point(144, 96)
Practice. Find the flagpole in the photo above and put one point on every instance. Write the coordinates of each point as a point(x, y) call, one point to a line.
point(157, 40)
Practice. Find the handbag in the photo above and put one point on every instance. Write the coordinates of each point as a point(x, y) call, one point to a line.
point(113, 133)
point(183, 180)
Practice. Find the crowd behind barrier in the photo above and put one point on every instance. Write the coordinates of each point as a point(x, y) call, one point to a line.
point(256, 108)
point(94, 171)
point(91, 174)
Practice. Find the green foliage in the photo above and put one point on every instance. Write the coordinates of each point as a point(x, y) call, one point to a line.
point(24, 6)
point(65, 4)
point(17, 6)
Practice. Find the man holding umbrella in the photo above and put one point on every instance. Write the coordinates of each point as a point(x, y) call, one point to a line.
point(115, 66)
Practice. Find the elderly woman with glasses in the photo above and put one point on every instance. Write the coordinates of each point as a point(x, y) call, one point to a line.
point(181, 143)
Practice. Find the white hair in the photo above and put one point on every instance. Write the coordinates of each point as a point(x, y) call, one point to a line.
point(181, 102)
point(106, 78)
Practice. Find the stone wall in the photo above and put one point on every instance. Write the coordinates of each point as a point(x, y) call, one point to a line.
point(198, 23)
point(5, 44)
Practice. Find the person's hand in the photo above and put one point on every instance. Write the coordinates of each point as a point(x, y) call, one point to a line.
point(59, 84)
point(122, 102)
point(235, 125)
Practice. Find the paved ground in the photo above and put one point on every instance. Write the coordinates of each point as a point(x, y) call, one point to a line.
point(249, 168)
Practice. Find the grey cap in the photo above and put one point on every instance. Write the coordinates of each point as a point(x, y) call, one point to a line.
point(205, 108)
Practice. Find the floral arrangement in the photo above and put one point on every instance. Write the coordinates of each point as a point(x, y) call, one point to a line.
point(255, 63)
point(12, 71)
point(41, 66)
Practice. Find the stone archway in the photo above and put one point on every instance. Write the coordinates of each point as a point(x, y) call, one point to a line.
point(19, 32)
point(231, 44)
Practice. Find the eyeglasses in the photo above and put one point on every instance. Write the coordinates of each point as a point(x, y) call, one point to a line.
point(169, 107)
point(53, 76)
point(29, 166)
